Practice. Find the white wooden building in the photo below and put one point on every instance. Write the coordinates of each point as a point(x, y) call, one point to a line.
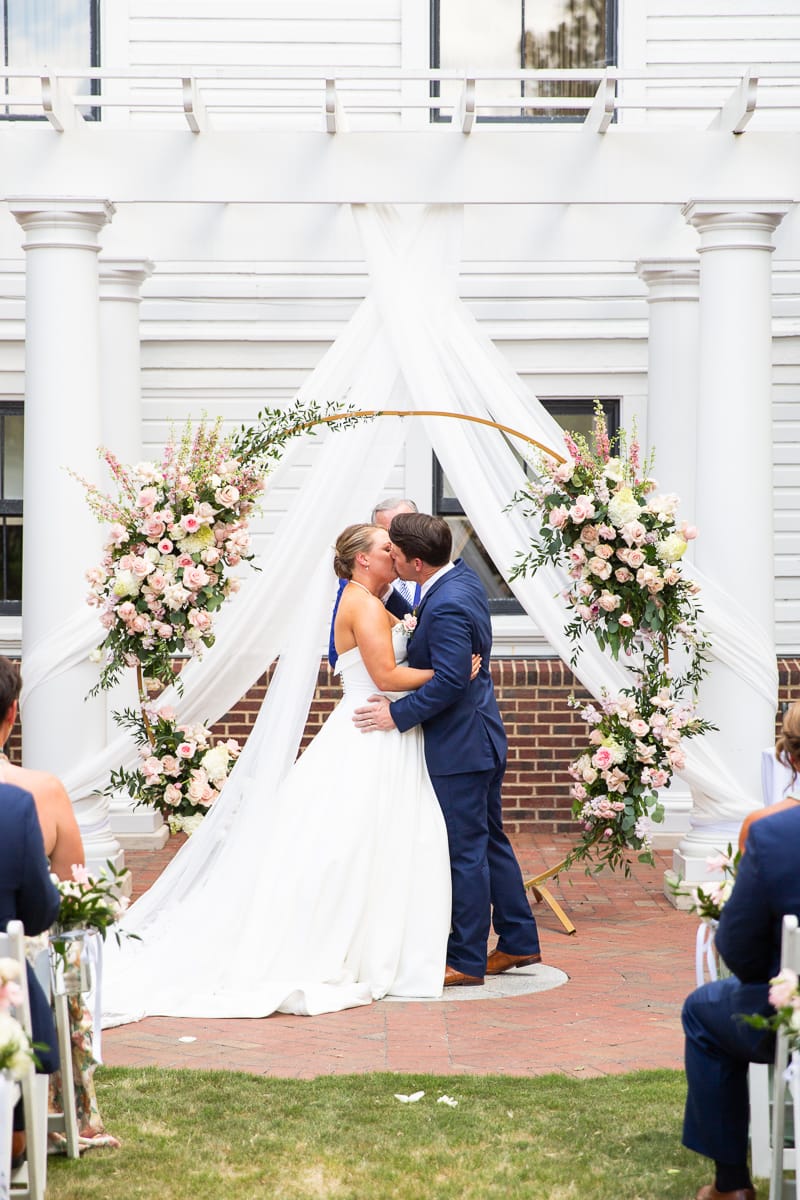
point(210, 151)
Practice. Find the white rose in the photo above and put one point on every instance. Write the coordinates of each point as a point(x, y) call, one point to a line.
point(14, 1049)
point(215, 763)
point(671, 548)
point(623, 507)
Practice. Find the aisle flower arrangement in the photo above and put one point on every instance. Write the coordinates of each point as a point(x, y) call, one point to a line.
point(16, 1050)
point(784, 996)
point(90, 901)
point(181, 769)
point(708, 903)
point(602, 519)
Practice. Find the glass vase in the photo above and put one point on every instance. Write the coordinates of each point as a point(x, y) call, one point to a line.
point(70, 964)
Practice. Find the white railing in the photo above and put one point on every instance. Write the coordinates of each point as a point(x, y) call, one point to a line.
point(311, 98)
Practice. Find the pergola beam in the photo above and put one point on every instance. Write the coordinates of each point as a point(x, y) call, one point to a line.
point(739, 107)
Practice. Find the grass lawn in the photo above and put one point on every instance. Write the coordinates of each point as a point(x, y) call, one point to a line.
point(226, 1136)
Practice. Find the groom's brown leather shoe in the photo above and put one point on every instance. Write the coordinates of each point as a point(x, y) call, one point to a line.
point(453, 978)
point(709, 1192)
point(498, 962)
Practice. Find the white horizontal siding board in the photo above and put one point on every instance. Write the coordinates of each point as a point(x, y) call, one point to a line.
point(279, 10)
point(192, 57)
point(753, 29)
point(721, 9)
point(721, 53)
point(264, 29)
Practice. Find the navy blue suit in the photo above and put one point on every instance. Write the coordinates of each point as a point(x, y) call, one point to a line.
point(465, 750)
point(28, 894)
point(719, 1047)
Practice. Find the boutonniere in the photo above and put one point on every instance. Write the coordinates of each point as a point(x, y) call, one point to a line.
point(409, 623)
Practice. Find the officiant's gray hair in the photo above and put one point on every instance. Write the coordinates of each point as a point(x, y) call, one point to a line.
point(355, 539)
point(392, 503)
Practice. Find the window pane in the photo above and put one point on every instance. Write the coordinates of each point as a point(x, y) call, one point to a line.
point(12, 425)
point(505, 35)
point(11, 549)
point(573, 414)
point(565, 35)
point(57, 33)
point(467, 545)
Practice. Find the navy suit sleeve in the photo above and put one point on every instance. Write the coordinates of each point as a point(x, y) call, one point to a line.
point(745, 936)
point(449, 635)
point(37, 899)
point(397, 604)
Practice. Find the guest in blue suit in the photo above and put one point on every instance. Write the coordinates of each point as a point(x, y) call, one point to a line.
point(719, 1046)
point(465, 750)
point(27, 894)
point(402, 596)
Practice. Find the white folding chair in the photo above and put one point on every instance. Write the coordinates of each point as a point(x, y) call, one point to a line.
point(29, 1182)
point(65, 1122)
point(785, 1158)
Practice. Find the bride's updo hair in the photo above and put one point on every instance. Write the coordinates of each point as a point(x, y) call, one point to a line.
point(355, 539)
point(787, 747)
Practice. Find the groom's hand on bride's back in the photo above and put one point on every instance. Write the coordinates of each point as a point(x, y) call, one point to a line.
point(374, 715)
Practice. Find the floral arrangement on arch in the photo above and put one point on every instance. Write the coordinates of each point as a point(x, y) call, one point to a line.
point(602, 519)
point(181, 769)
point(17, 1054)
point(174, 530)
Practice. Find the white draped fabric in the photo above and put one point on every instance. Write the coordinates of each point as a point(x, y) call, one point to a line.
point(412, 344)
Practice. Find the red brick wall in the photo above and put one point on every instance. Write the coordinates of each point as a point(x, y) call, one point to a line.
point(543, 732)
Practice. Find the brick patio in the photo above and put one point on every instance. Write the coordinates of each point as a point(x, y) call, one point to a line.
point(630, 965)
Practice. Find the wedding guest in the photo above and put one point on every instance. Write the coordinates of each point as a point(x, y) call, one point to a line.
point(27, 894)
point(720, 1046)
point(791, 731)
point(62, 838)
point(63, 847)
point(400, 597)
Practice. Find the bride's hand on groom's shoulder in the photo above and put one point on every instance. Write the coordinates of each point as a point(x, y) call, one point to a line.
point(375, 714)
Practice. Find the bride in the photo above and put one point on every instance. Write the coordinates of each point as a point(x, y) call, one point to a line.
point(340, 889)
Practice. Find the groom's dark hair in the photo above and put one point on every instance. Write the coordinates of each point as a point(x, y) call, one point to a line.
point(419, 535)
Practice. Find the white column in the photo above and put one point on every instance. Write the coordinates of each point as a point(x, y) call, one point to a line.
point(121, 281)
point(673, 292)
point(734, 502)
point(62, 538)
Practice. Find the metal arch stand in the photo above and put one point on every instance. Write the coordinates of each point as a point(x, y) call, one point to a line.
point(536, 885)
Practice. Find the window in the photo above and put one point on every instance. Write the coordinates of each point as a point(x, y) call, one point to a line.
point(513, 35)
point(576, 415)
point(11, 442)
point(58, 33)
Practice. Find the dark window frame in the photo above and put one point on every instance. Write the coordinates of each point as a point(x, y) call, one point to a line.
point(611, 48)
point(93, 114)
point(444, 506)
point(8, 508)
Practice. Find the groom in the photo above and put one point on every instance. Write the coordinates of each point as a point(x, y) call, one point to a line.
point(465, 750)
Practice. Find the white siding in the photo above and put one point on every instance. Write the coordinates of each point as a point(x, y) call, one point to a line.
point(253, 35)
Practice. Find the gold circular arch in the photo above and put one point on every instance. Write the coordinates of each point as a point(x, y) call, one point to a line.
point(425, 412)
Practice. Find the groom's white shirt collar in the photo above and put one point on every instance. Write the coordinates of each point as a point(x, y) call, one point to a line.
point(438, 575)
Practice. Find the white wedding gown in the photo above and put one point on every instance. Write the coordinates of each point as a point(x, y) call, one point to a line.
point(341, 895)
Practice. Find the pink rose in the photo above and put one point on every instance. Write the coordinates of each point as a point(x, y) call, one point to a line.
point(172, 795)
point(152, 528)
point(186, 750)
point(200, 619)
point(107, 620)
point(210, 556)
point(117, 534)
point(165, 546)
point(147, 498)
point(140, 623)
point(163, 629)
point(195, 577)
point(658, 778)
point(783, 989)
point(582, 509)
point(151, 768)
point(635, 558)
point(602, 758)
point(626, 620)
point(688, 532)
point(227, 496)
point(190, 523)
point(558, 517)
point(170, 765)
point(126, 611)
point(599, 567)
